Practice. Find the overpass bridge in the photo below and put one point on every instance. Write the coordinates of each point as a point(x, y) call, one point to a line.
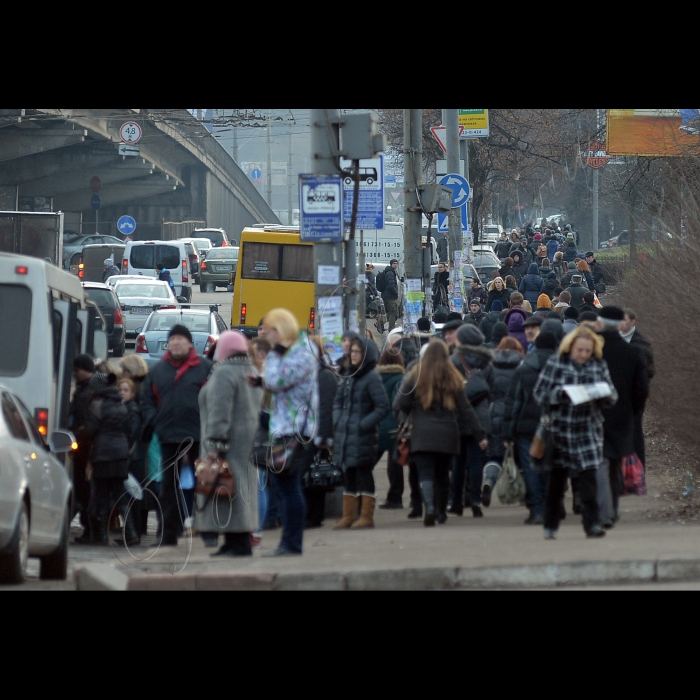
point(48, 158)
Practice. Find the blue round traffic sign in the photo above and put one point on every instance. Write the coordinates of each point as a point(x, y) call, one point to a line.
point(256, 174)
point(96, 201)
point(126, 225)
point(460, 189)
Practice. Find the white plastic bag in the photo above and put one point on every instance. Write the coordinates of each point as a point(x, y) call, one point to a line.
point(133, 488)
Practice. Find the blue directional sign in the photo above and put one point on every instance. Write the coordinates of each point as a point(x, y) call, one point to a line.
point(126, 225)
point(371, 206)
point(460, 188)
point(96, 201)
point(443, 221)
point(256, 174)
point(321, 208)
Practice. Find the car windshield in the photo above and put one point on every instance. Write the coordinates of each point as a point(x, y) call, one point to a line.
point(202, 243)
point(195, 323)
point(223, 254)
point(147, 291)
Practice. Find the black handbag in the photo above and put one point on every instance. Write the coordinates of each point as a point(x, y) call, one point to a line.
point(323, 473)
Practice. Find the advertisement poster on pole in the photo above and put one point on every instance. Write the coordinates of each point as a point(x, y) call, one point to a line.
point(475, 123)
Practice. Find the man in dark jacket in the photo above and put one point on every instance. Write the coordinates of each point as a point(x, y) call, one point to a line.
point(170, 408)
point(443, 249)
point(490, 320)
point(110, 269)
point(502, 249)
point(522, 418)
point(577, 291)
point(475, 315)
point(519, 266)
point(532, 285)
point(529, 254)
point(390, 295)
point(477, 292)
point(629, 374)
point(596, 271)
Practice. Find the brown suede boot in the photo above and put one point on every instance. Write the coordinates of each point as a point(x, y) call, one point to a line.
point(350, 504)
point(366, 520)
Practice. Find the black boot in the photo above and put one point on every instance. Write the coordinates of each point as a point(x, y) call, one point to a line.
point(441, 503)
point(237, 544)
point(416, 511)
point(428, 490)
point(131, 531)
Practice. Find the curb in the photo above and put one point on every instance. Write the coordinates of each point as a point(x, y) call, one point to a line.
point(101, 577)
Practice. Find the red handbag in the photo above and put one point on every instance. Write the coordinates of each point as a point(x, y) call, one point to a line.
point(403, 444)
point(214, 478)
point(634, 477)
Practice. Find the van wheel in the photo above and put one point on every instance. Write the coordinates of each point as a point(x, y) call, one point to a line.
point(54, 567)
point(13, 565)
point(119, 351)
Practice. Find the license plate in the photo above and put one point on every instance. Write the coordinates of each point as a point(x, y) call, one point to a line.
point(141, 310)
point(222, 268)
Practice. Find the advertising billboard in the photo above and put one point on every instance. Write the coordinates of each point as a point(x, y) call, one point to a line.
point(475, 123)
point(653, 132)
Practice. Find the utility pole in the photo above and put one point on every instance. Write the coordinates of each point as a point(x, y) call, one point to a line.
point(596, 185)
point(290, 181)
point(235, 141)
point(269, 158)
point(455, 216)
point(413, 178)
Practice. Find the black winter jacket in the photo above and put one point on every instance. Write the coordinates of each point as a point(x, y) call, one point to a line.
point(391, 280)
point(359, 407)
point(532, 285)
point(503, 296)
point(327, 388)
point(477, 361)
point(487, 324)
point(170, 403)
point(505, 362)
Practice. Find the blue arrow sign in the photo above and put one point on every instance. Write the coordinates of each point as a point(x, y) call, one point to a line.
point(460, 188)
point(256, 174)
point(96, 201)
point(443, 221)
point(126, 225)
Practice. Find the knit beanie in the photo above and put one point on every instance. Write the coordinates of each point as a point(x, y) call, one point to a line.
point(496, 305)
point(544, 302)
point(230, 343)
point(469, 334)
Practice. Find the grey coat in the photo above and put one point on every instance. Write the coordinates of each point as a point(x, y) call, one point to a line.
point(229, 411)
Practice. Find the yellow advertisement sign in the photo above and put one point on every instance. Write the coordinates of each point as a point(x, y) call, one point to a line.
point(653, 132)
point(475, 122)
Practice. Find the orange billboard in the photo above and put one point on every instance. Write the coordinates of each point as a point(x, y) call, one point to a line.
point(653, 132)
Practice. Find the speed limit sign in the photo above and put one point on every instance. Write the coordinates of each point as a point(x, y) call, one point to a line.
point(131, 132)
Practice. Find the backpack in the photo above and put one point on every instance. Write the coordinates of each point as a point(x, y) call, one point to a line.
point(381, 282)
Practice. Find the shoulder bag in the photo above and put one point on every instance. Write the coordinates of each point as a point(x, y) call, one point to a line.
point(214, 479)
point(538, 448)
point(281, 452)
point(510, 487)
point(402, 452)
point(323, 473)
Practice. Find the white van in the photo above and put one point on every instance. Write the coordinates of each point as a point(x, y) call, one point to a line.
point(141, 258)
point(44, 311)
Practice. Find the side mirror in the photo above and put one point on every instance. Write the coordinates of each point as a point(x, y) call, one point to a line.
point(182, 300)
point(61, 441)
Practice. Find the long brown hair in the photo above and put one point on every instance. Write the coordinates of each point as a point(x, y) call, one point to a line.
point(582, 266)
point(436, 379)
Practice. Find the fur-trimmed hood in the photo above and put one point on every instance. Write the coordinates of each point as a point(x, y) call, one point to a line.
point(477, 356)
point(390, 369)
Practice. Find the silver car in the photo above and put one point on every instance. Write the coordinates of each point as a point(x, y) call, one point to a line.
point(204, 323)
point(35, 495)
point(138, 297)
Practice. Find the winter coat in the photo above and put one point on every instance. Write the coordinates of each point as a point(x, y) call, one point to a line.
point(514, 320)
point(576, 432)
point(327, 388)
point(137, 450)
point(437, 429)
point(441, 281)
point(531, 285)
point(505, 363)
point(410, 345)
point(164, 276)
point(487, 324)
point(641, 342)
point(392, 376)
point(229, 409)
point(552, 249)
point(505, 271)
point(475, 319)
point(111, 272)
point(570, 253)
point(170, 398)
point(550, 284)
point(597, 272)
point(292, 377)
point(588, 281)
point(391, 280)
point(522, 413)
point(577, 291)
point(360, 405)
point(107, 425)
point(628, 372)
point(520, 267)
point(529, 255)
point(559, 268)
point(480, 294)
point(442, 251)
point(475, 364)
point(502, 249)
point(503, 296)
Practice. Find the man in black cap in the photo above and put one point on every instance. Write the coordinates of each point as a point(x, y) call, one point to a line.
point(628, 372)
point(577, 290)
point(390, 295)
point(596, 271)
point(170, 408)
point(531, 326)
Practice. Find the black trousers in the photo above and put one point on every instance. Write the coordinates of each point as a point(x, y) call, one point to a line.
point(639, 443)
point(171, 499)
point(81, 488)
point(396, 479)
point(360, 480)
point(617, 483)
point(587, 490)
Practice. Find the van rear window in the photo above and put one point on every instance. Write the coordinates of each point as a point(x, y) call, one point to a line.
point(145, 257)
point(269, 261)
point(15, 319)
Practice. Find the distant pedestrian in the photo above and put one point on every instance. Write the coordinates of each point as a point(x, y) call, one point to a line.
point(110, 269)
point(390, 295)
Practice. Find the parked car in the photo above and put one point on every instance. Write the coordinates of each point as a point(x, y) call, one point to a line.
point(73, 248)
point(218, 269)
point(139, 297)
point(106, 299)
point(486, 262)
point(205, 325)
point(35, 495)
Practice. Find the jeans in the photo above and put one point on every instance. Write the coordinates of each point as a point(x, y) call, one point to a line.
point(175, 508)
point(471, 460)
point(586, 485)
point(273, 514)
point(536, 482)
point(262, 499)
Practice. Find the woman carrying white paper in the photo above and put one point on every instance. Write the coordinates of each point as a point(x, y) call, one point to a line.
point(576, 431)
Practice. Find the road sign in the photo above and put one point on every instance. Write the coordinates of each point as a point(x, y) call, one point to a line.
point(96, 201)
point(440, 134)
point(126, 225)
point(396, 196)
point(370, 209)
point(256, 174)
point(390, 181)
point(443, 221)
point(95, 184)
point(131, 132)
point(595, 156)
point(126, 149)
point(321, 208)
point(475, 123)
point(460, 189)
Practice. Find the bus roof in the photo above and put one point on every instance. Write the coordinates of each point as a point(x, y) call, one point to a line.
point(56, 279)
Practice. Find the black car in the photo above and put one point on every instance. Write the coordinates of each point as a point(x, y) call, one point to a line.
point(106, 300)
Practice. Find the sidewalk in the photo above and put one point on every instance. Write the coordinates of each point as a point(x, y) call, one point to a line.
point(497, 551)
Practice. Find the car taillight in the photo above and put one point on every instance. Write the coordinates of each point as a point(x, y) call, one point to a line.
point(42, 420)
point(203, 266)
point(118, 319)
point(167, 307)
point(21, 270)
point(81, 270)
point(141, 344)
point(184, 270)
point(125, 265)
point(312, 319)
point(224, 244)
point(244, 311)
point(210, 341)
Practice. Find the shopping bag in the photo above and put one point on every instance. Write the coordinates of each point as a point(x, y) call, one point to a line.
point(510, 487)
point(634, 477)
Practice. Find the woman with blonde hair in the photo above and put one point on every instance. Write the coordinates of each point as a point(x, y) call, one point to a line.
point(432, 397)
point(575, 430)
point(497, 292)
point(135, 368)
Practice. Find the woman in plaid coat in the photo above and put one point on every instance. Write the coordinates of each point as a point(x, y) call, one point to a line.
point(576, 432)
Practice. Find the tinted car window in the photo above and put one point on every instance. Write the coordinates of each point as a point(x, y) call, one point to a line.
point(13, 419)
point(168, 255)
point(216, 237)
point(15, 320)
point(223, 254)
point(102, 297)
point(143, 257)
